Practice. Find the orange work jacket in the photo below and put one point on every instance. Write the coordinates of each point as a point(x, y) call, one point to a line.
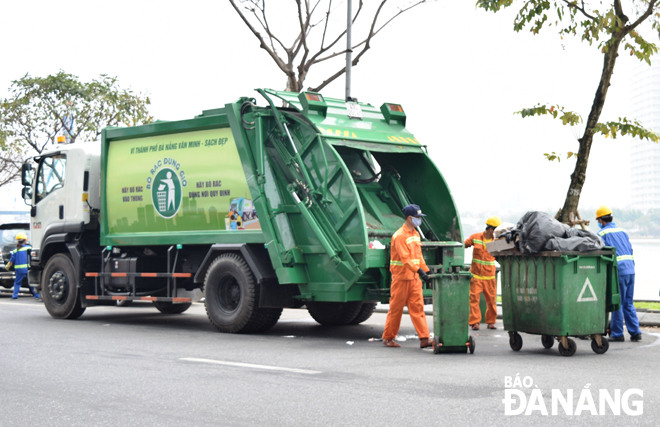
point(483, 263)
point(406, 254)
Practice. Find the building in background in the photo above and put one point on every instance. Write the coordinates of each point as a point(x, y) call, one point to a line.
point(645, 155)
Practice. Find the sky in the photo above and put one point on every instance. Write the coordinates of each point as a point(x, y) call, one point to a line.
point(459, 73)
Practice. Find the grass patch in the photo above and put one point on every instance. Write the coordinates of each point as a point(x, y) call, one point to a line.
point(648, 305)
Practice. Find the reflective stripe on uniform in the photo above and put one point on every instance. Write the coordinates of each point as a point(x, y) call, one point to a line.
point(478, 241)
point(610, 230)
point(413, 239)
point(21, 266)
point(482, 262)
point(414, 261)
point(625, 258)
point(483, 277)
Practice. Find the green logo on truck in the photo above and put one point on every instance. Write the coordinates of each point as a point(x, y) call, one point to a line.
point(166, 192)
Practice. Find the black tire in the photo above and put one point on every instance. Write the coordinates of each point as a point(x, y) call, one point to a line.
point(334, 313)
point(365, 313)
point(547, 340)
point(167, 307)
point(267, 318)
point(59, 288)
point(515, 341)
point(232, 297)
point(572, 348)
point(471, 345)
point(602, 349)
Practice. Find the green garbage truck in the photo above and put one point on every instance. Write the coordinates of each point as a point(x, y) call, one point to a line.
point(253, 208)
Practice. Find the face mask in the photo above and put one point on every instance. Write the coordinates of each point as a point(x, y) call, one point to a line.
point(600, 225)
point(416, 222)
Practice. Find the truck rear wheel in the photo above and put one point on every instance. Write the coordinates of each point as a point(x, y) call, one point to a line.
point(232, 297)
point(365, 313)
point(334, 313)
point(167, 307)
point(59, 288)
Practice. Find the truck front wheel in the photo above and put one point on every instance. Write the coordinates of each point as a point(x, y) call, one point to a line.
point(59, 288)
point(232, 297)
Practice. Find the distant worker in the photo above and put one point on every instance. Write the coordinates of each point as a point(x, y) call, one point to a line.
point(407, 267)
point(483, 276)
point(614, 236)
point(20, 260)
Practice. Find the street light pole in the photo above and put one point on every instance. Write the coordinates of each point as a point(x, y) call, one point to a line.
point(349, 51)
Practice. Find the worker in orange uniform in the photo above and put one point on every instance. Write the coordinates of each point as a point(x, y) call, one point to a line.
point(407, 267)
point(483, 275)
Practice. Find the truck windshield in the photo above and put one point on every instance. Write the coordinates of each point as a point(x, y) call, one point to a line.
point(51, 175)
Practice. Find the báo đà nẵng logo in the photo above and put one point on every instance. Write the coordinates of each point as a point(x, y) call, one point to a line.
point(166, 184)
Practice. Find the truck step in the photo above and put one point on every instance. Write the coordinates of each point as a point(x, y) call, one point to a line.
point(129, 298)
point(138, 274)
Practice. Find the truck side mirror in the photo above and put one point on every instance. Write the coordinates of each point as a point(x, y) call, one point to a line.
point(26, 174)
point(26, 193)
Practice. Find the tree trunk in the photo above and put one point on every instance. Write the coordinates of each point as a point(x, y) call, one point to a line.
point(579, 175)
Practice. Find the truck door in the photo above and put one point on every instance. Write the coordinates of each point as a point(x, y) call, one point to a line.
point(49, 196)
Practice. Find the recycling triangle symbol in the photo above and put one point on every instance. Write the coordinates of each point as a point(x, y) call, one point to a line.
point(582, 297)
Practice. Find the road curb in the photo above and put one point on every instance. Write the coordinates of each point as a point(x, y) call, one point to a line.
point(645, 318)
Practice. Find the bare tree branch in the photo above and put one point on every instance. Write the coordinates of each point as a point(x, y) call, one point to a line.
point(366, 42)
point(312, 60)
point(573, 4)
point(644, 16)
point(263, 44)
point(303, 51)
point(325, 27)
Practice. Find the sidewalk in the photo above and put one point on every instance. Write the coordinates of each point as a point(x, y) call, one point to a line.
point(646, 317)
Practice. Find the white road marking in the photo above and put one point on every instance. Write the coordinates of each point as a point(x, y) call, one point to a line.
point(654, 343)
point(22, 305)
point(251, 366)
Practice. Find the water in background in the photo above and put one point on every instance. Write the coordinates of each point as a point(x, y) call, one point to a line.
point(646, 253)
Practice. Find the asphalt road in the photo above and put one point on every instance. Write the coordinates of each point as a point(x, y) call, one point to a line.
point(133, 366)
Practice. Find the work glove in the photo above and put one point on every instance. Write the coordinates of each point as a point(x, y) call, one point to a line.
point(424, 275)
point(9, 265)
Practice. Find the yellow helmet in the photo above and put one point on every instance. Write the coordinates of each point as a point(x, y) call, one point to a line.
point(602, 211)
point(21, 236)
point(494, 221)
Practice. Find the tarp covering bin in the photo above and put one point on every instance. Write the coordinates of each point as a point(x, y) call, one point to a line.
point(558, 295)
point(451, 306)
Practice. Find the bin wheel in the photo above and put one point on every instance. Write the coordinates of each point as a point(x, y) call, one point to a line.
point(567, 351)
point(547, 340)
point(436, 347)
point(602, 349)
point(515, 341)
point(471, 345)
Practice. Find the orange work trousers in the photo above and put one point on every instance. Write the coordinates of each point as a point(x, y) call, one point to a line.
point(402, 293)
point(489, 288)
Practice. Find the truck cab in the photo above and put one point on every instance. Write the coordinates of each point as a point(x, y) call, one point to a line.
point(64, 200)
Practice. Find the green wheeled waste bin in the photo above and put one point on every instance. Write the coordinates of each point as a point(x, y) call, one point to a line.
point(559, 295)
point(451, 306)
